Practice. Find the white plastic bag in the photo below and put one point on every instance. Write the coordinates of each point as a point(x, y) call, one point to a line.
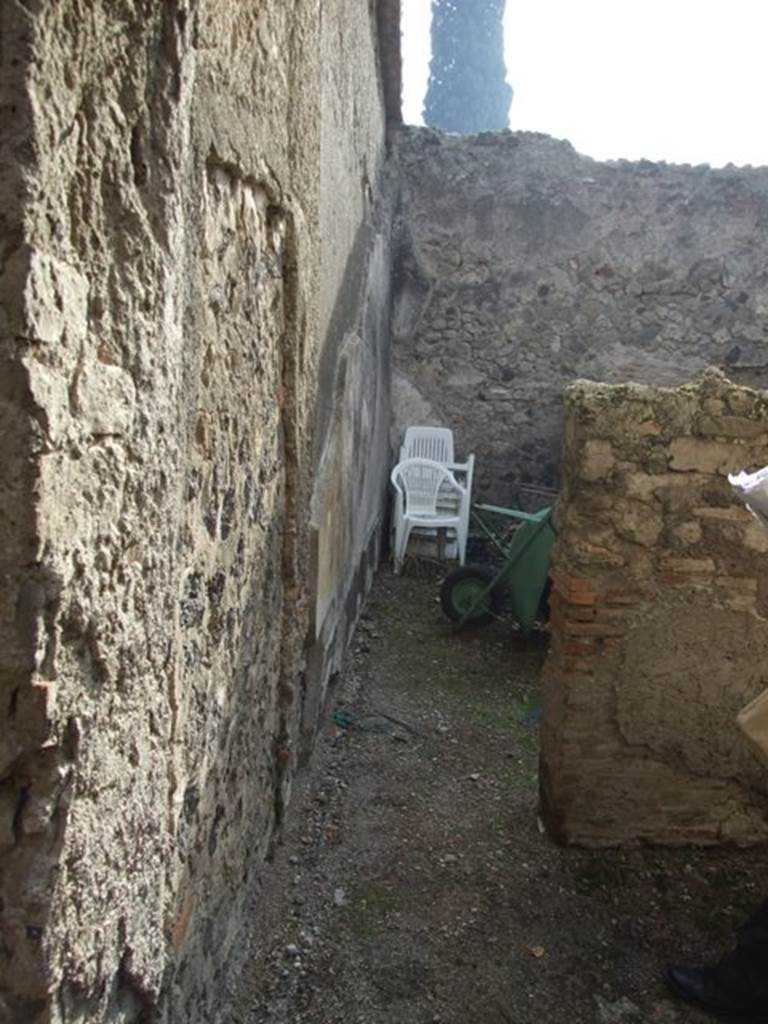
point(752, 488)
point(753, 722)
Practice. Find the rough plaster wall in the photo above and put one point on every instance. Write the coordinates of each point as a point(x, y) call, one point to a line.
point(166, 291)
point(524, 266)
point(659, 618)
point(352, 406)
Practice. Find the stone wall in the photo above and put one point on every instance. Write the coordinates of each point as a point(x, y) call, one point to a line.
point(523, 266)
point(193, 395)
point(659, 618)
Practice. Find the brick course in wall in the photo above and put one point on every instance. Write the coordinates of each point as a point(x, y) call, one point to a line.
point(659, 618)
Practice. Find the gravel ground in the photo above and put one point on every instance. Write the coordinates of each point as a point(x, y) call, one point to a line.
point(413, 883)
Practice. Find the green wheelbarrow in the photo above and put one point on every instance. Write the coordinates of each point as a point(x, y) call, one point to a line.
point(474, 594)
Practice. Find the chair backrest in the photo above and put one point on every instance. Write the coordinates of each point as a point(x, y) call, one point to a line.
point(435, 443)
point(419, 481)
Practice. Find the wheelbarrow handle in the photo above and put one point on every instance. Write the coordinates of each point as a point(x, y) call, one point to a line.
point(513, 513)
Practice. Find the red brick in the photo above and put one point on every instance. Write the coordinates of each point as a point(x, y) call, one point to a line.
point(581, 597)
point(564, 581)
point(571, 628)
point(578, 666)
point(572, 675)
point(580, 646)
point(582, 613)
point(611, 614)
point(611, 644)
point(579, 583)
point(674, 579)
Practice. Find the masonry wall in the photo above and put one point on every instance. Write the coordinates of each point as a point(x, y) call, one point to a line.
point(523, 266)
point(659, 618)
point(193, 394)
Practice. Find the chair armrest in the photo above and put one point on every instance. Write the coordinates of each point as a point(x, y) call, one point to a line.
point(393, 480)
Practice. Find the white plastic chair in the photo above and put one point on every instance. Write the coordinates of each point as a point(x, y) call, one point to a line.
point(419, 484)
point(464, 473)
point(435, 443)
point(423, 442)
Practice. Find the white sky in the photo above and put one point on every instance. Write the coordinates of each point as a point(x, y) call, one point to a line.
point(684, 81)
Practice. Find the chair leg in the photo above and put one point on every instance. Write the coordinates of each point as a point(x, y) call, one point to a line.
point(401, 544)
point(461, 540)
point(396, 556)
point(397, 523)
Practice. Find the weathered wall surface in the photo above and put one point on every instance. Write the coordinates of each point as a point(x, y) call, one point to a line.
point(524, 266)
point(352, 396)
point(659, 618)
point(194, 244)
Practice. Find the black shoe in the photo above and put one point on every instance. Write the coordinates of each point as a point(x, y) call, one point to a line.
point(698, 986)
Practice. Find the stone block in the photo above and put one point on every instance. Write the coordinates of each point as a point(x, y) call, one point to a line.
point(687, 566)
point(649, 428)
point(714, 406)
point(730, 426)
point(597, 460)
point(645, 486)
point(687, 533)
point(51, 299)
point(595, 555)
point(50, 389)
point(691, 454)
point(638, 522)
point(726, 513)
point(737, 584)
point(756, 537)
point(742, 402)
point(105, 400)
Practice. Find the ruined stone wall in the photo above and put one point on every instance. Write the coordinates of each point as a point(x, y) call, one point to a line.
point(659, 618)
point(194, 238)
point(524, 266)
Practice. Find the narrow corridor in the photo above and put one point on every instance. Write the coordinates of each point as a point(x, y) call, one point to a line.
point(414, 884)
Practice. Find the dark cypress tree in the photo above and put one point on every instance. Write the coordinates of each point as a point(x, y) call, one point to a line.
point(467, 89)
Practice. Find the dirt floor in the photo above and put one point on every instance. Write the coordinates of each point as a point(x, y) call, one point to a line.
point(414, 883)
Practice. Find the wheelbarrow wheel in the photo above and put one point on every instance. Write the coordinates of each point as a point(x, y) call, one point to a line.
point(462, 595)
